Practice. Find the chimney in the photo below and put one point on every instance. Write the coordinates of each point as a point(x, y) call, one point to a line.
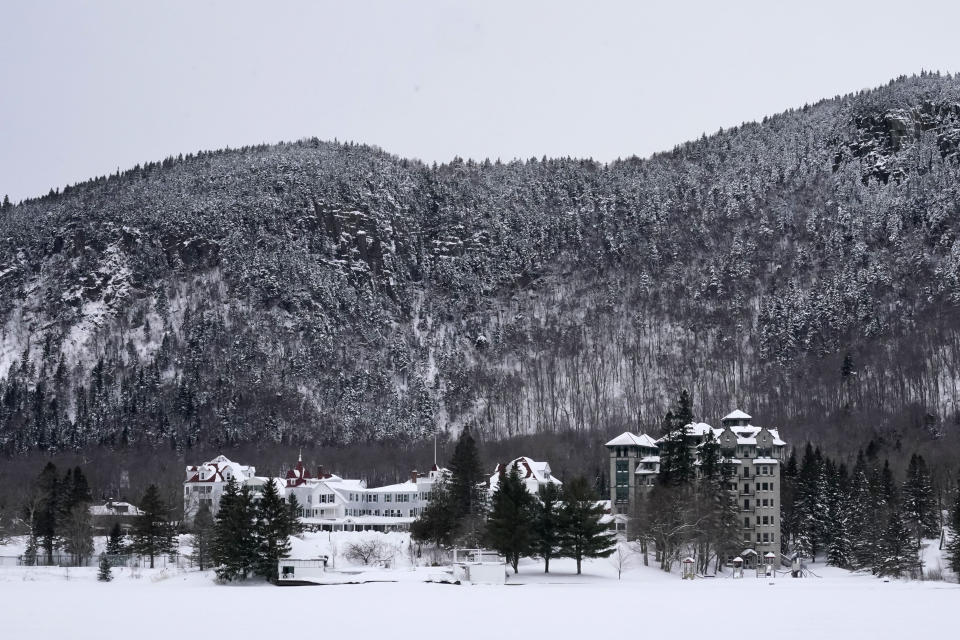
point(320, 473)
point(413, 476)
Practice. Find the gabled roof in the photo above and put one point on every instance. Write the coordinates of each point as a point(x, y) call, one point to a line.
point(220, 469)
point(627, 439)
point(528, 469)
point(736, 414)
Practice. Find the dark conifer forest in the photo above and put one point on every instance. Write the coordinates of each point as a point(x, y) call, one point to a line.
point(805, 268)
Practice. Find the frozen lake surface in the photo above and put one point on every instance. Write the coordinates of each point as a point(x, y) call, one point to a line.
point(58, 603)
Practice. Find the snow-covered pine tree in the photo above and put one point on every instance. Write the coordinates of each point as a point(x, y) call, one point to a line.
point(547, 523)
point(437, 524)
point(510, 523)
point(826, 477)
point(676, 459)
point(104, 573)
point(202, 537)
point(898, 550)
point(878, 505)
point(467, 490)
point(839, 550)
point(788, 488)
point(152, 534)
point(809, 507)
point(953, 545)
point(234, 549)
point(293, 510)
point(919, 503)
point(272, 531)
point(48, 516)
point(582, 535)
point(115, 540)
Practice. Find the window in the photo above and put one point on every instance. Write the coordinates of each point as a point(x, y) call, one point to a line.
point(622, 480)
point(765, 521)
point(746, 472)
point(766, 537)
point(387, 497)
point(746, 504)
point(746, 488)
point(746, 523)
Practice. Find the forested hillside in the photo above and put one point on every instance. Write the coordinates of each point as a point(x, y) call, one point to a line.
point(805, 268)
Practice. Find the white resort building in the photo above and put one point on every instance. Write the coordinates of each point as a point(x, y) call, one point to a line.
point(751, 456)
point(331, 503)
point(327, 501)
point(205, 483)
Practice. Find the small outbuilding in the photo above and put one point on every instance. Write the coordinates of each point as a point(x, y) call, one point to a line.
point(479, 566)
point(300, 570)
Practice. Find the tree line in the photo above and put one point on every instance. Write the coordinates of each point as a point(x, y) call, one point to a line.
point(559, 521)
point(56, 513)
point(863, 518)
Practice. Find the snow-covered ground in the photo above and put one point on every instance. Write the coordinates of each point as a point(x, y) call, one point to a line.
point(55, 602)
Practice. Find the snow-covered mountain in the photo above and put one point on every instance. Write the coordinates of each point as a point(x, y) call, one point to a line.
point(806, 267)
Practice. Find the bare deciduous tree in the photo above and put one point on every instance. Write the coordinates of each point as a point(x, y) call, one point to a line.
point(370, 551)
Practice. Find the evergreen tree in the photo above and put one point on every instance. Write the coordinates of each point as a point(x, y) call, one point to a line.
point(676, 457)
point(683, 415)
point(202, 537)
point(437, 523)
point(272, 531)
point(510, 525)
point(918, 500)
point(898, 551)
point(48, 516)
point(76, 489)
point(547, 523)
point(115, 542)
point(104, 574)
point(581, 533)
point(467, 488)
point(293, 509)
point(152, 533)
point(234, 549)
point(162, 305)
point(839, 550)
point(809, 508)
point(788, 483)
point(953, 545)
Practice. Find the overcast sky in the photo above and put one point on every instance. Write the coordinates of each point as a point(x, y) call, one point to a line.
point(89, 87)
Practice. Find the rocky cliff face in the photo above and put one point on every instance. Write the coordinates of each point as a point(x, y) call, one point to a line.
point(806, 267)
